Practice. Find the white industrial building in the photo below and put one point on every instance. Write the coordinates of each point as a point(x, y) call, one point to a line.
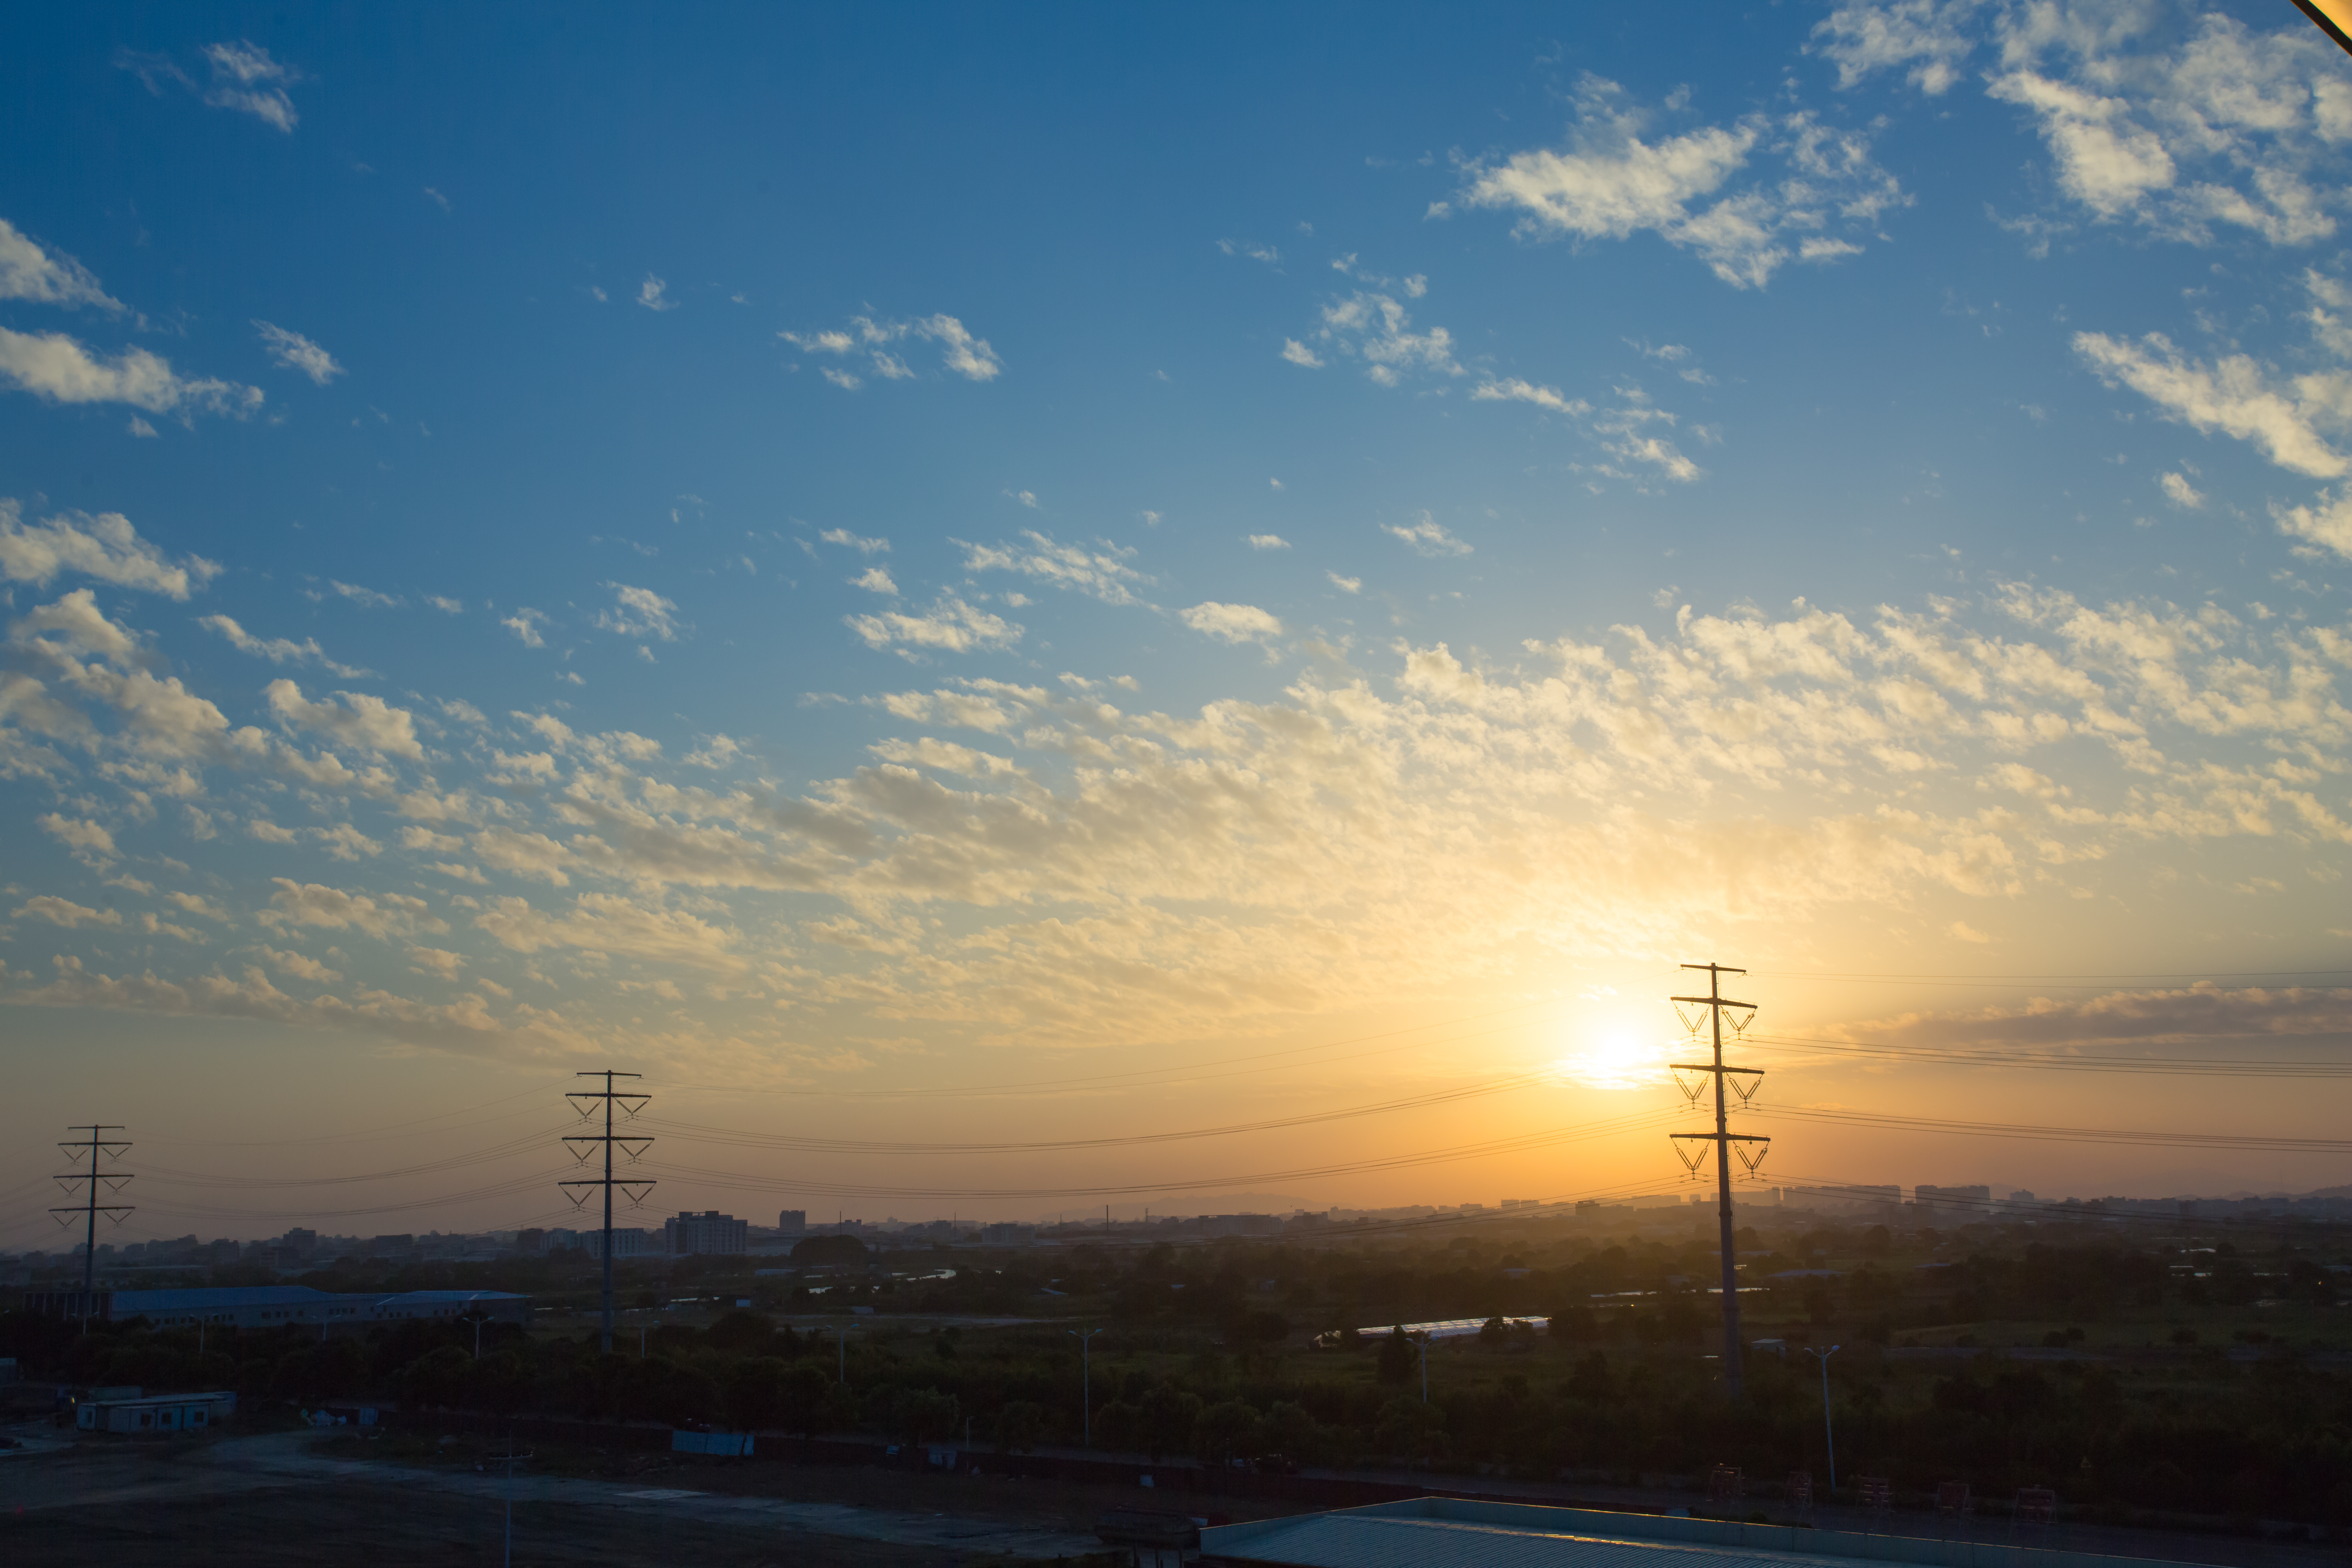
point(282, 1306)
point(136, 1413)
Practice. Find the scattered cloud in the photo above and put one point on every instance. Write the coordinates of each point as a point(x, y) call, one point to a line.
point(29, 272)
point(1264, 253)
point(359, 720)
point(639, 612)
point(525, 624)
point(2234, 395)
point(104, 546)
point(1374, 328)
point(54, 366)
point(1512, 389)
point(1100, 571)
point(1695, 189)
point(242, 77)
point(295, 351)
point(65, 913)
point(952, 625)
point(960, 353)
point(863, 546)
point(1268, 541)
point(366, 598)
point(1926, 39)
point(277, 650)
point(2179, 491)
point(1345, 584)
point(438, 200)
point(1427, 536)
point(653, 294)
point(875, 580)
point(1232, 623)
point(1299, 354)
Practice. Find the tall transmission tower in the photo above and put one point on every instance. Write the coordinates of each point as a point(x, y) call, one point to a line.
point(584, 1145)
point(90, 1208)
point(1743, 1082)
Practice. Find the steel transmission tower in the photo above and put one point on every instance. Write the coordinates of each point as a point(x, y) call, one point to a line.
point(1723, 1138)
point(583, 1145)
point(90, 1208)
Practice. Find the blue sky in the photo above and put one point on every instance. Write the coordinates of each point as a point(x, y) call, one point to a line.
point(914, 546)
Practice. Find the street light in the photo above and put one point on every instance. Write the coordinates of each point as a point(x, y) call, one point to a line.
point(1829, 1432)
point(1421, 1340)
point(1086, 1383)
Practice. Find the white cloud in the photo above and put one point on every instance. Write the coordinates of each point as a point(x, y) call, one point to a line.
point(1512, 389)
point(333, 908)
point(2325, 523)
point(1611, 183)
point(2184, 130)
point(361, 720)
point(603, 923)
point(245, 79)
point(639, 612)
point(446, 606)
point(295, 351)
point(277, 650)
point(1927, 37)
point(436, 961)
point(1232, 623)
point(1026, 498)
point(105, 547)
point(950, 625)
point(1299, 354)
point(525, 624)
point(45, 276)
point(1427, 536)
point(438, 200)
point(65, 913)
point(1374, 328)
point(1345, 584)
point(1101, 572)
point(1255, 252)
point(1268, 541)
point(651, 294)
point(300, 965)
point(366, 597)
point(863, 546)
point(82, 837)
point(140, 428)
point(875, 579)
point(719, 751)
point(2232, 395)
point(960, 353)
point(2179, 491)
point(57, 367)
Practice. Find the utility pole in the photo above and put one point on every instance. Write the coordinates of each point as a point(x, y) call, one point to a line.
point(1829, 1432)
point(90, 1208)
point(1723, 1138)
point(1086, 1383)
point(583, 1145)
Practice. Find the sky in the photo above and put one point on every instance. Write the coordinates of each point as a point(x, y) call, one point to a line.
point(928, 577)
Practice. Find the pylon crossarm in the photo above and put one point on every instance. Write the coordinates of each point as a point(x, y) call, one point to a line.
point(1715, 1001)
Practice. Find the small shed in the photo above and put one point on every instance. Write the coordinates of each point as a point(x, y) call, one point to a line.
point(155, 1413)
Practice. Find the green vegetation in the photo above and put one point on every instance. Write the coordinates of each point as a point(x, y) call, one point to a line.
point(2137, 1374)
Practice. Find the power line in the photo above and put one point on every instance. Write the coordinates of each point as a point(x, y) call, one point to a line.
point(2046, 1061)
point(2044, 1134)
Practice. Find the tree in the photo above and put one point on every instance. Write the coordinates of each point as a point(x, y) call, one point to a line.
point(745, 1333)
point(755, 1394)
point(1169, 1415)
point(1224, 1432)
point(1410, 1429)
point(1018, 1424)
point(436, 1378)
point(1398, 1356)
point(817, 1251)
point(924, 1415)
point(809, 1406)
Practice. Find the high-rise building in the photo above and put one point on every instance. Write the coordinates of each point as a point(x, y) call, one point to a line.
point(793, 1222)
point(709, 1232)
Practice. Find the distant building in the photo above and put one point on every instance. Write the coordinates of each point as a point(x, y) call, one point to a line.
point(708, 1234)
point(626, 1242)
point(793, 1222)
point(280, 1306)
point(1978, 1199)
point(531, 1242)
point(1004, 1233)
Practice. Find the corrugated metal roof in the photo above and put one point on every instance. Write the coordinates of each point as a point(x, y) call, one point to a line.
point(1459, 1533)
point(1358, 1540)
point(129, 1303)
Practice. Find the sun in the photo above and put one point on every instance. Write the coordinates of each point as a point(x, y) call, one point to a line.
point(1613, 1058)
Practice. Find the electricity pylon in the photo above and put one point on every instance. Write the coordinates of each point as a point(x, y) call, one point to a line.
point(586, 1145)
point(90, 1208)
point(1723, 1138)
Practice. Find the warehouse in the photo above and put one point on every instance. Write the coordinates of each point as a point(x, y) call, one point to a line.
point(283, 1306)
point(155, 1413)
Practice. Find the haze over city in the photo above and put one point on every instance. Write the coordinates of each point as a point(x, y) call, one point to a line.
point(968, 591)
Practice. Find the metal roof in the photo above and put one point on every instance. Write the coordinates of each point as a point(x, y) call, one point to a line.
point(129, 1303)
point(1449, 1533)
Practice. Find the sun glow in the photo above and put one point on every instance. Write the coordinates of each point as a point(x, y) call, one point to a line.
point(1618, 1058)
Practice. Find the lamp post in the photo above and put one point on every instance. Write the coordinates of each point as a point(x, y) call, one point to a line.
point(1086, 1383)
point(1829, 1432)
point(1421, 1340)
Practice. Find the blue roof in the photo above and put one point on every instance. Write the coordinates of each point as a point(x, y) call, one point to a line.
point(190, 1300)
